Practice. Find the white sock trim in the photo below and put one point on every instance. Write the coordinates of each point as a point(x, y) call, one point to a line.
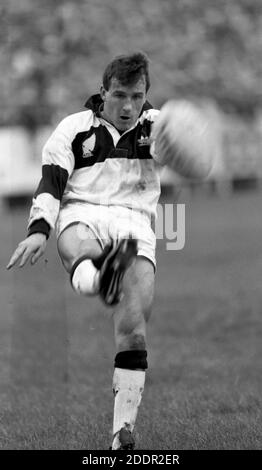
point(128, 386)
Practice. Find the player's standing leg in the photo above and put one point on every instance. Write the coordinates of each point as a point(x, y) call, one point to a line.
point(130, 319)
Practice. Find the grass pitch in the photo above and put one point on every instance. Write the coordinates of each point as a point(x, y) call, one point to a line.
point(203, 387)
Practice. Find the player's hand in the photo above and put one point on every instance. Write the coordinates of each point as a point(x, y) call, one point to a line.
point(32, 248)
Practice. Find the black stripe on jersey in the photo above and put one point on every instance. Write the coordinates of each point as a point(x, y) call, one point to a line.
point(103, 145)
point(39, 226)
point(97, 145)
point(53, 181)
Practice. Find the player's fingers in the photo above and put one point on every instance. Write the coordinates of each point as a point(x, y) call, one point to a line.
point(16, 255)
point(25, 258)
point(37, 255)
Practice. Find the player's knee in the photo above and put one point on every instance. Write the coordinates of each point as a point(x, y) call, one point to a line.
point(71, 246)
point(70, 255)
point(66, 255)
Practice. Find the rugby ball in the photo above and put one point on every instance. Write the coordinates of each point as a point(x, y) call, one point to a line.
point(182, 139)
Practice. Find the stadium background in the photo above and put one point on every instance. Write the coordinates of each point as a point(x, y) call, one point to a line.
point(56, 349)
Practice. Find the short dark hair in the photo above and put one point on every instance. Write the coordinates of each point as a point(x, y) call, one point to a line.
point(128, 69)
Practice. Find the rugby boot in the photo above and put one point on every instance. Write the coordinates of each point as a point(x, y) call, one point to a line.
point(123, 440)
point(119, 258)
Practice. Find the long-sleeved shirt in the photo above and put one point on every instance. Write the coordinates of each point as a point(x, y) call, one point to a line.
point(87, 159)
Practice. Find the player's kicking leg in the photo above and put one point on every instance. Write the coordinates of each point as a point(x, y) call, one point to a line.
point(94, 272)
point(104, 274)
point(119, 257)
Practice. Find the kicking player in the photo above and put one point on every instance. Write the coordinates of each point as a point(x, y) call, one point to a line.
point(99, 191)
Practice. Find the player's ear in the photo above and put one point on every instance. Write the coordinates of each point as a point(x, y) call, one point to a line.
point(103, 93)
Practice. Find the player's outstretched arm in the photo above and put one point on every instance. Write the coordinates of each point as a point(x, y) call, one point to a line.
point(32, 248)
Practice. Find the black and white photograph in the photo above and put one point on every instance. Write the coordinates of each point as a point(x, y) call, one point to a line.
point(131, 228)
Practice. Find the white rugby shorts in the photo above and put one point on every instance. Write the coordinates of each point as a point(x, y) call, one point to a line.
point(110, 222)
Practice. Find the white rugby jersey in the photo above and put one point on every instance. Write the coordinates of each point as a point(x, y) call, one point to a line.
point(86, 159)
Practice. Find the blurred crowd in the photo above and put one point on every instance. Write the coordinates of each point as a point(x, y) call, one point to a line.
point(53, 54)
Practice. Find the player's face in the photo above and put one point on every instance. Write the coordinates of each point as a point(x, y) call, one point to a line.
point(123, 104)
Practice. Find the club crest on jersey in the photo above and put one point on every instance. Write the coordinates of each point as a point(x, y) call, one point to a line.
point(88, 146)
point(143, 141)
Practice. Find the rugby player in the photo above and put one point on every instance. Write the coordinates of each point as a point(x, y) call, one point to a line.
point(99, 191)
